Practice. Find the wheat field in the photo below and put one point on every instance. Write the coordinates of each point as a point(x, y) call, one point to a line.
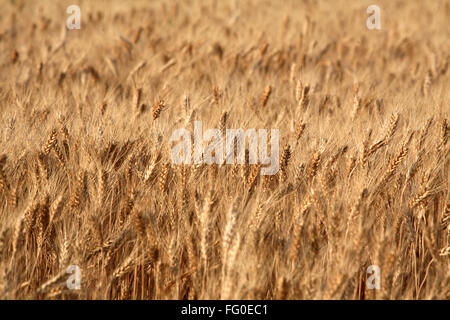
point(87, 179)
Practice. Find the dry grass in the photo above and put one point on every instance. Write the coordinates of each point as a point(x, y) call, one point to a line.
point(86, 176)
